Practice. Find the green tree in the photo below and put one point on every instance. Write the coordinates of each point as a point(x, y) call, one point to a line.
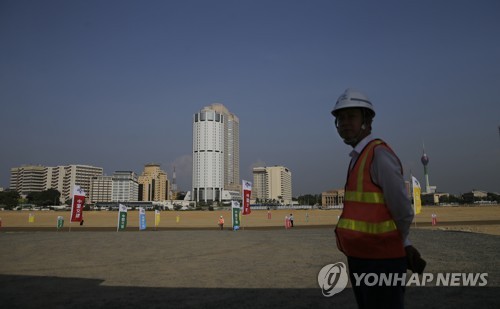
point(9, 199)
point(493, 197)
point(44, 198)
point(309, 199)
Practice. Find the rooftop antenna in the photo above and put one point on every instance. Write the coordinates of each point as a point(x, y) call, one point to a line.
point(174, 182)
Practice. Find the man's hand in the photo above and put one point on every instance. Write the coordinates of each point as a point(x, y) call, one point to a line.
point(415, 262)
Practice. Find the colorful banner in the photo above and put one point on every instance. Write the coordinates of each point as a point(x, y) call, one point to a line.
point(142, 218)
point(122, 218)
point(247, 192)
point(157, 218)
point(417, 202)
point(235, 214)
point(77, 204)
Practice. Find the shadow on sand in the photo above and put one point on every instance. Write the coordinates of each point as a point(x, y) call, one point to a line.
point(55, 292)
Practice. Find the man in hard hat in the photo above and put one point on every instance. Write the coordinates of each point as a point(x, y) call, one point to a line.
point(221, 223)
point(373, 228)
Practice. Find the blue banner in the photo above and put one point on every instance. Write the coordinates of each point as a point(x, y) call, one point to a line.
point(142, 219)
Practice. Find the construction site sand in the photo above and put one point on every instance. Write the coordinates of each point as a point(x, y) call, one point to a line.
point(191, 264)
point(480, 219)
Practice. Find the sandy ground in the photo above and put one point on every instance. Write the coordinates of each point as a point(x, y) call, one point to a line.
point(485, 219)
point(198, 266)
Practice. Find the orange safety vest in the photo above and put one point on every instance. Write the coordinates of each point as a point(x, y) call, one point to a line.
point(221, 221)
point(366, 228)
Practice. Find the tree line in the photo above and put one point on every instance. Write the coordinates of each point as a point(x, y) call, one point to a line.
point(10, 199)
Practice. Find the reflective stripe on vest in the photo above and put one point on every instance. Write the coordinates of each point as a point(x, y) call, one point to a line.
point(364, 197)
point(359, 185)
point(367, 227)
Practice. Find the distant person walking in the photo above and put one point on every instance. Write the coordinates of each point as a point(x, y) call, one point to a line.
point(291, 220)
point(373, 228)
point(221, 223)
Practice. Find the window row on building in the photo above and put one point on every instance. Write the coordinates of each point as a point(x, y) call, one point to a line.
point(37, 178)
point(272, 183)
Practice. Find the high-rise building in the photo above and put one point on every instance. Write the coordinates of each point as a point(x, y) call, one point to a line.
point(121, 187)
point(125, 187)
point(259, 186)
point(272, 183)
point(27, 178)
point(216, 153)
point(100, 189)
point(78, 175)
point(38, 178)
point(55, 178)
point(153, 184)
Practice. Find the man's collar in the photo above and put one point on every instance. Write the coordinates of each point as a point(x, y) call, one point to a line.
point(361, 145)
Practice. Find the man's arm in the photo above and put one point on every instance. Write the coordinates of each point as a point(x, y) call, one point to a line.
point(386, 173)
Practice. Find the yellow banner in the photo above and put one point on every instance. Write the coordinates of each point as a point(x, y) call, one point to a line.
point(157, 218)
point(417, 202)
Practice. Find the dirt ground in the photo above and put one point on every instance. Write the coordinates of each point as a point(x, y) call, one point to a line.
point(484, 219)
point(191, 264)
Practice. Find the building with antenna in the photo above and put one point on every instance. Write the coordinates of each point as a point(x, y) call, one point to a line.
point(425, 161)
point(173, 190)
point(430, 196)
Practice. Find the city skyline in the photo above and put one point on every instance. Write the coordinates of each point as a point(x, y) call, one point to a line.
point(114, 84)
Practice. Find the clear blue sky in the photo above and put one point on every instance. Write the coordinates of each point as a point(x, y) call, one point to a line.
point(115, 84)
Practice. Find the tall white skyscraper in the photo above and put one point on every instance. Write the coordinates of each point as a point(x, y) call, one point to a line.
point(216, 153)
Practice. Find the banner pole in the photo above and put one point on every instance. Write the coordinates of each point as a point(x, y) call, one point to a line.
point(118, 223)
point(414, 205)
point(72, 205)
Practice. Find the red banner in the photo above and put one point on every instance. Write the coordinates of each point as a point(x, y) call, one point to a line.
point(77, 205)
point(247, 191)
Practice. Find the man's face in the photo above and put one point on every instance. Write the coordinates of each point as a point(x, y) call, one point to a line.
point(349, 122)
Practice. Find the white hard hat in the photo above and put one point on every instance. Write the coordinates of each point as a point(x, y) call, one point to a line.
point(352, 98)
